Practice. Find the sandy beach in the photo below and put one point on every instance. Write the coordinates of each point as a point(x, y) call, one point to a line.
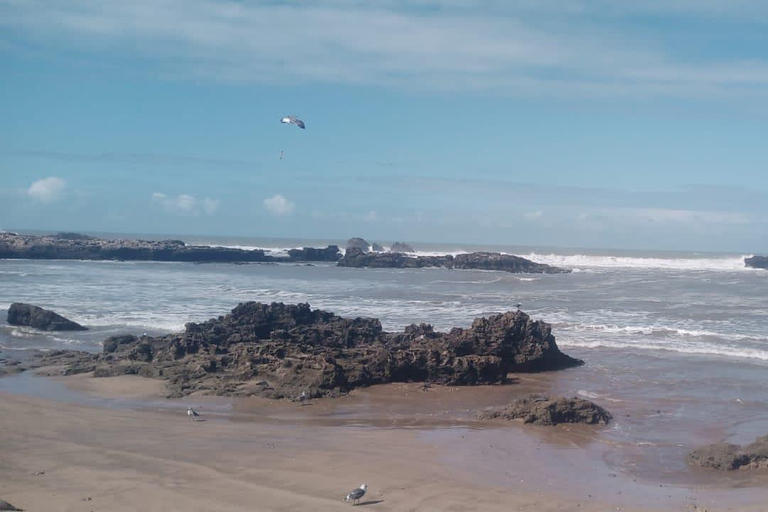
point(115, 444)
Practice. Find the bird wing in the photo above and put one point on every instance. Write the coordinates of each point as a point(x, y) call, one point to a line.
point(356, 494)
point(299, 123)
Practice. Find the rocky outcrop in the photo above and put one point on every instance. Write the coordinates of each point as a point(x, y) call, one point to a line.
point(757, 262)
point(278, 351)
point(39, 318)
point(358, 243)
point(401, 247)
point(728, 457)
point(73, 246)
point(477, 261)
point(542, 410)
point(330, 253)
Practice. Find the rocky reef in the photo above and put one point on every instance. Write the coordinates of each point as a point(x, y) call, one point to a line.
point(69, 246)
point(39, 318)
point(542, 410)
point(728, 457)
point(757, 262)
point(279, 351)
point(355, 257)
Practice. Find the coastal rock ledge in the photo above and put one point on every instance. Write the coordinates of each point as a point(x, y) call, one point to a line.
point(542, 410)
point(279, 351)
point(728, 457)
point(39, 318)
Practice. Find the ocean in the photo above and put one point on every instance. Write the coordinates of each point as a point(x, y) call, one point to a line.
point(675, 344)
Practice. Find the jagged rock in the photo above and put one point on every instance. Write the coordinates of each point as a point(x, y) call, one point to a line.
point(757, 262)
point(541, 410)
point(39, 318)
point(358, 243)
point(330, 253)
point(355, 257)
point(401, 247)
point(376, 247)
point(278, 351)
point(727, 456)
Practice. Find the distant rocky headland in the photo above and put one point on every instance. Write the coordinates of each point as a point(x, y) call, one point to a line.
point(359, 253)
point(281, 351)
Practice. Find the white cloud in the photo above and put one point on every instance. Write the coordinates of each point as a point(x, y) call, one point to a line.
point(186, 204)
point(516, 47)
point(210, 206)
point(278, 205)
point(47, 190)
point(533, 215)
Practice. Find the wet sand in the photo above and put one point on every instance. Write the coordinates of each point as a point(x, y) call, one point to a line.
point(120, 443)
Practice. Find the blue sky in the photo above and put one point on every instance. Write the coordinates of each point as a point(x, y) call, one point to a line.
point(616, 124)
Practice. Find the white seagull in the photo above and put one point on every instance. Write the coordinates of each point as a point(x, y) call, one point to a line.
point(192, 413)
point(293, 120)
point(355, 495)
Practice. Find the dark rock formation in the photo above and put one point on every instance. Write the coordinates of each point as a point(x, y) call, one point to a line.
point(477, 260)
point(39, 318)
point(10, 367)
point(358, 243)
point(279, 350)
point(74, 246)
point(538, 410)
point(376, 247)
point(401, 247)
point(66, 235)
point(757, 262)
point(330, 253)
point(727, 457)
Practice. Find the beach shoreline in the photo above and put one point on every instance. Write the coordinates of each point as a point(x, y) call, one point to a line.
point(115, 440)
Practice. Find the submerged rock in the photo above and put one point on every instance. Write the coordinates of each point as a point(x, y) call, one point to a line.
point(278, 350)
point(39, 318)
point(727, 456)
point(542, 410)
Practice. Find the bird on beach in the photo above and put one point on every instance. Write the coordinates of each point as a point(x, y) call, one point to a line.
point(293, 120)
point(354, 496)
point(303, 397)
point(4, 505)
point(192, 413)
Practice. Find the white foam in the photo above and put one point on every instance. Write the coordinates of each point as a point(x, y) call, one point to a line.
point(728, 263)
point(705, 349)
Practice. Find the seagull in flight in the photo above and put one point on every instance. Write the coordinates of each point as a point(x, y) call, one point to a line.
point(293, 120)
point(192, 413)
point(354, 496)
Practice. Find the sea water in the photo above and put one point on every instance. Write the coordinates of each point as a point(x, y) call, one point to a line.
point(675, 344)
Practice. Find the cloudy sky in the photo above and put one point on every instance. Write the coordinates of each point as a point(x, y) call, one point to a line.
point(584, 123)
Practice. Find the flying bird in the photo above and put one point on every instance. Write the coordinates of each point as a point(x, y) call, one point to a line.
point(355, 495)
point(192, 413)
point(293, 120)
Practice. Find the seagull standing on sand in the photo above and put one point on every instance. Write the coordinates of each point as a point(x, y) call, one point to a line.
point(355, 495)
point(192, 413)
point(293, 120)
point(303, 397)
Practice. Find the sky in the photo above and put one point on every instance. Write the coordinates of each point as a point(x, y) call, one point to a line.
point(588, 123)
